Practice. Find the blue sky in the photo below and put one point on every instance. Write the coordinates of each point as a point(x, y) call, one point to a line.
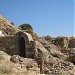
point(47, 17)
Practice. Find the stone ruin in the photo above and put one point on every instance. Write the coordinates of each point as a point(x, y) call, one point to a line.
point(71, 43)
point(17, 42)
point(13, 40)
point(72, 50)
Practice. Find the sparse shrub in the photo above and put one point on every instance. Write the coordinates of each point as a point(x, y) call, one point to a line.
point(40, 54)
point(1, 57)
point(3, 49)
point(26, 27)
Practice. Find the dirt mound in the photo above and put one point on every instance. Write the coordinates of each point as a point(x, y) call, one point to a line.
point(7, 27)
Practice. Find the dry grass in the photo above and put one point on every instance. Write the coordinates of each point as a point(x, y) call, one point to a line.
point(5, 70)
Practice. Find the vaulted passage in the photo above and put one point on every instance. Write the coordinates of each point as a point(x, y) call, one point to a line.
point(22, 52)
point(21, 44)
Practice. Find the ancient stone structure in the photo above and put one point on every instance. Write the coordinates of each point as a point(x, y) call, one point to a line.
point(21, 44)
point(72, 43)
point(5, 43)
point(71, 47)
point(18, 44)
point(13, 40)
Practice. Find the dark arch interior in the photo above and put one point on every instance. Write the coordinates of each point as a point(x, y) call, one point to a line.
point(22, 47)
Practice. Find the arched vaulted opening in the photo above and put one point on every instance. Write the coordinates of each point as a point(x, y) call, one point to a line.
point(21, 44)
point(22, 51)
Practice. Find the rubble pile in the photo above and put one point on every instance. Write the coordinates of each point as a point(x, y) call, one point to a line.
point(60, 63)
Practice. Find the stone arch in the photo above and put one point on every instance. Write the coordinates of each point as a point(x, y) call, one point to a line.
point(22, 51)
point(21, 44)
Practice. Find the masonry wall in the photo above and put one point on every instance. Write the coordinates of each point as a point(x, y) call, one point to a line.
point(6, 43)
point(15, 44)
point(11, 45)
point(72, 43)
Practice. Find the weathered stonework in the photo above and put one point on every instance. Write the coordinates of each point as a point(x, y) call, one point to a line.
point(72, 43)
point(5, 43)
point(71, 47)
point(18, 44)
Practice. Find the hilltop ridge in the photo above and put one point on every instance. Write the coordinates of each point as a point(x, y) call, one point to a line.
point(7, 27)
